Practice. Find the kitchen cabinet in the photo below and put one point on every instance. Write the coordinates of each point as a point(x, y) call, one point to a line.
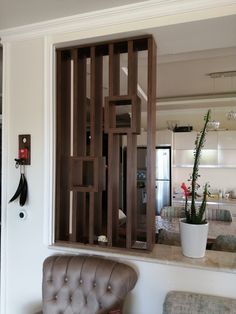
point(185, 158)
point(164, 137)
point(219, 149)
point(226, 140)
point(227, 157)
point(185, 140)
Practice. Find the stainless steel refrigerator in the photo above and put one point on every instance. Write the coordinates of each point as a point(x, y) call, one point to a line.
point(162, 182)
point(163, 178)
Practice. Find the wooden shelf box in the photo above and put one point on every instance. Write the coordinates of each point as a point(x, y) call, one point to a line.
point(87, 174)
point(127, 104)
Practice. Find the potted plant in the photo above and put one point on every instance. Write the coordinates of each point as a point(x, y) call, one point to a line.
point(194, 227)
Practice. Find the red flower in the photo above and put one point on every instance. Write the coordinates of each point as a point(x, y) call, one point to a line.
point(185, 189)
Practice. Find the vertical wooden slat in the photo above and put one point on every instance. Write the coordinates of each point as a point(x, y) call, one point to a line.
point(92, 138)
point(131, 184)
point(63, 145)
point(91, 217)
point(131, 188)
point(114, 71)
point(151, 140)
point(79, 229)
point(132, 69)
point(98, 88)
point(113, 153)
point(58, 146)
point(73, 236)
point(80, 110)
point(113, 188)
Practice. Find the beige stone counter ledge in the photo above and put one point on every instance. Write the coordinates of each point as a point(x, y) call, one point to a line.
point(161, 254)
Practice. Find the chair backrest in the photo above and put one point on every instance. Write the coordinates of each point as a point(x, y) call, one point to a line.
point(225, 243)
point(219, 214)
point(169, 238)
point(85, 285)
point(179, 302)
point(172, 212)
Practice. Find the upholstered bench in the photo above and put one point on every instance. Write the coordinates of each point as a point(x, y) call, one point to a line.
point(179, 302)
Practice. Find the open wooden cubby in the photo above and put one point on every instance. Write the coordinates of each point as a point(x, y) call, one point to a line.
point(110, 121)
point(89, 144)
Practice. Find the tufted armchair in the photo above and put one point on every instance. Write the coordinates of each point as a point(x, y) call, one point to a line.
point(85, 285)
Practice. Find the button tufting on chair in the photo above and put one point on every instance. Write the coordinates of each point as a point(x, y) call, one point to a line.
point(88, 279)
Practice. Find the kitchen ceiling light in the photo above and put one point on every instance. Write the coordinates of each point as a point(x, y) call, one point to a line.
point(222, 74)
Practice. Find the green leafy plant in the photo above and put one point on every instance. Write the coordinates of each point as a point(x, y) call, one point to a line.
point(193, 214)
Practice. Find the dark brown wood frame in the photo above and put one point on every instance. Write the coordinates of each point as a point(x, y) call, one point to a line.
point(79, 215)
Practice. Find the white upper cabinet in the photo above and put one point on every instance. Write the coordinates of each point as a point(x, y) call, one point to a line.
point(186, 140)
point(164, 137)
point(227, 139)
point(219, 149)
point(211, 140)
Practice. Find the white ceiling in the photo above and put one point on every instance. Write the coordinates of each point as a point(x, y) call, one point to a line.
point(196, 36)
point(186, 52)
point(21, 12)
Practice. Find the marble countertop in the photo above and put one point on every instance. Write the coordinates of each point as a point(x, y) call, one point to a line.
point(161, 254)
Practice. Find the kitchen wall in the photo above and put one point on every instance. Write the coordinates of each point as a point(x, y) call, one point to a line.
point(23, 242)
point(194, 117)
point(221, 178)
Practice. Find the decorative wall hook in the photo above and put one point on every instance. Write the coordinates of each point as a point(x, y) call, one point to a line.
point(24, 159)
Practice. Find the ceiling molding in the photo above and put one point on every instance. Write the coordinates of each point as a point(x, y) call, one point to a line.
point(141, 11)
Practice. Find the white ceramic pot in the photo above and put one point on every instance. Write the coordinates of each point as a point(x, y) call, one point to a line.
point(193, 239)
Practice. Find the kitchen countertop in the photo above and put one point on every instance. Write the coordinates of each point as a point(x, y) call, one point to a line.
point(220, 201)
point(161, 254)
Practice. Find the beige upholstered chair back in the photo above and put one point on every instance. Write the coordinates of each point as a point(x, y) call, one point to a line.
point(219, 214)
point(180, 302)
point(172, 212)
point(225, 243)
point(85, 285)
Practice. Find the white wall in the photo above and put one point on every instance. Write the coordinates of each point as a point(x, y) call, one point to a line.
point(23, 246)
point(155, 280)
